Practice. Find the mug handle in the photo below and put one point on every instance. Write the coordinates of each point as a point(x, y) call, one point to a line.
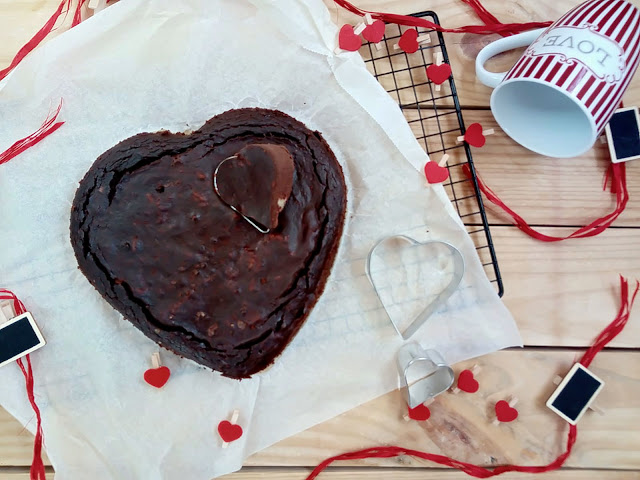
point(492, 79)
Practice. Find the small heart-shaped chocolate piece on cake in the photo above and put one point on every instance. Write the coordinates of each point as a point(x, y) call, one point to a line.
point(257, 182)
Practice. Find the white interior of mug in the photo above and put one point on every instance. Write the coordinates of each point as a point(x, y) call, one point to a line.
point(542, 118)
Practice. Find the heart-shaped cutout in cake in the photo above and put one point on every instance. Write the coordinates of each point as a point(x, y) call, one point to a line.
point(474, 136)
point(348, 40)
point(156, 241)
point(256, 182)
point(439, 74)
point(467, 383)
point(504, 412)
point(374, 33)
point(409, 41)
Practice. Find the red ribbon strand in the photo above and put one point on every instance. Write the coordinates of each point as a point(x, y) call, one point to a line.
point(37, 471)
point(46, 29)
point(617, 173)
point(608, 334)
point(47, 128)
point(491, 23)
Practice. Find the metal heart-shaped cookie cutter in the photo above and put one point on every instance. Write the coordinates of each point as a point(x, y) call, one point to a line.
point(443, 296)
point(423, 374)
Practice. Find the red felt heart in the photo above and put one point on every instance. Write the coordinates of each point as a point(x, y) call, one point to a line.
point(229, 431)
point(409, 41)
point(467, 383)
point(157, 377)
point(348, 40)
point(420, 413)
point(373, 33)
point(439, 74)
point(504, 412)
point(435, 173)
point(474, 136)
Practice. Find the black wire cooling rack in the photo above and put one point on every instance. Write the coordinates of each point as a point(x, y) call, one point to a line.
point(436, 120)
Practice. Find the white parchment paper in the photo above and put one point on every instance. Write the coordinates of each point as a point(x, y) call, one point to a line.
point(145, 65)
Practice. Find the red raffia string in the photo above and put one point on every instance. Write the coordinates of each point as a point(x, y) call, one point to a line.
point(608, 334)
point(37, 38)
point(491, 23)
point(37, 471)
point(47, 128)
point(77, 17)
point(617, 173)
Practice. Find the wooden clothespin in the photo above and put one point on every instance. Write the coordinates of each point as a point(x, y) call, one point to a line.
point(6, 311)
point(575, 394)
point(438, 59)
point(623, 135)
point(97, 5)
point(230, 430)
point(359, 28)
point(505, 411)
point(436, 173)
point(424, 38)
point(24, 337)
point(368, 18)
point(157, 376)
point(420, 413)
point(475, 135)
point(466, 381)
point(155, 360)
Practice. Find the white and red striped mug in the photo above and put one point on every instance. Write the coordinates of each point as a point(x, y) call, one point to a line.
point(560, 94)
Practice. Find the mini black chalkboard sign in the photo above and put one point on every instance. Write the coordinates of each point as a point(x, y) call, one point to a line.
point(575, 393)
point(623, 135)
point(18, 337)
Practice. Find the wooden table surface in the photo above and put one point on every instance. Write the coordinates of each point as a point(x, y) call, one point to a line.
point(561, 296)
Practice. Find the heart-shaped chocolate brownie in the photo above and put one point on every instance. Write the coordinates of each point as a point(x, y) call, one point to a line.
point(152, 236)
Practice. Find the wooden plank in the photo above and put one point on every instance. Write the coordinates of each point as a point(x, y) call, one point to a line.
point(460, 425)
point(386, 473)
point(565, 293)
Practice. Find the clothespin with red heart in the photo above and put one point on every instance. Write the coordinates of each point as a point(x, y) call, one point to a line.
point(439, 72)
point(505, 411)
point(437, 172)
point(424, 38)
point(419, 413)
point(230, 431)
point(475, 135)
point(467, 381)
point(157, 376)
point(348, 40)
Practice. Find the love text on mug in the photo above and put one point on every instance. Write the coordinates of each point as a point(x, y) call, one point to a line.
point(601, 55)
